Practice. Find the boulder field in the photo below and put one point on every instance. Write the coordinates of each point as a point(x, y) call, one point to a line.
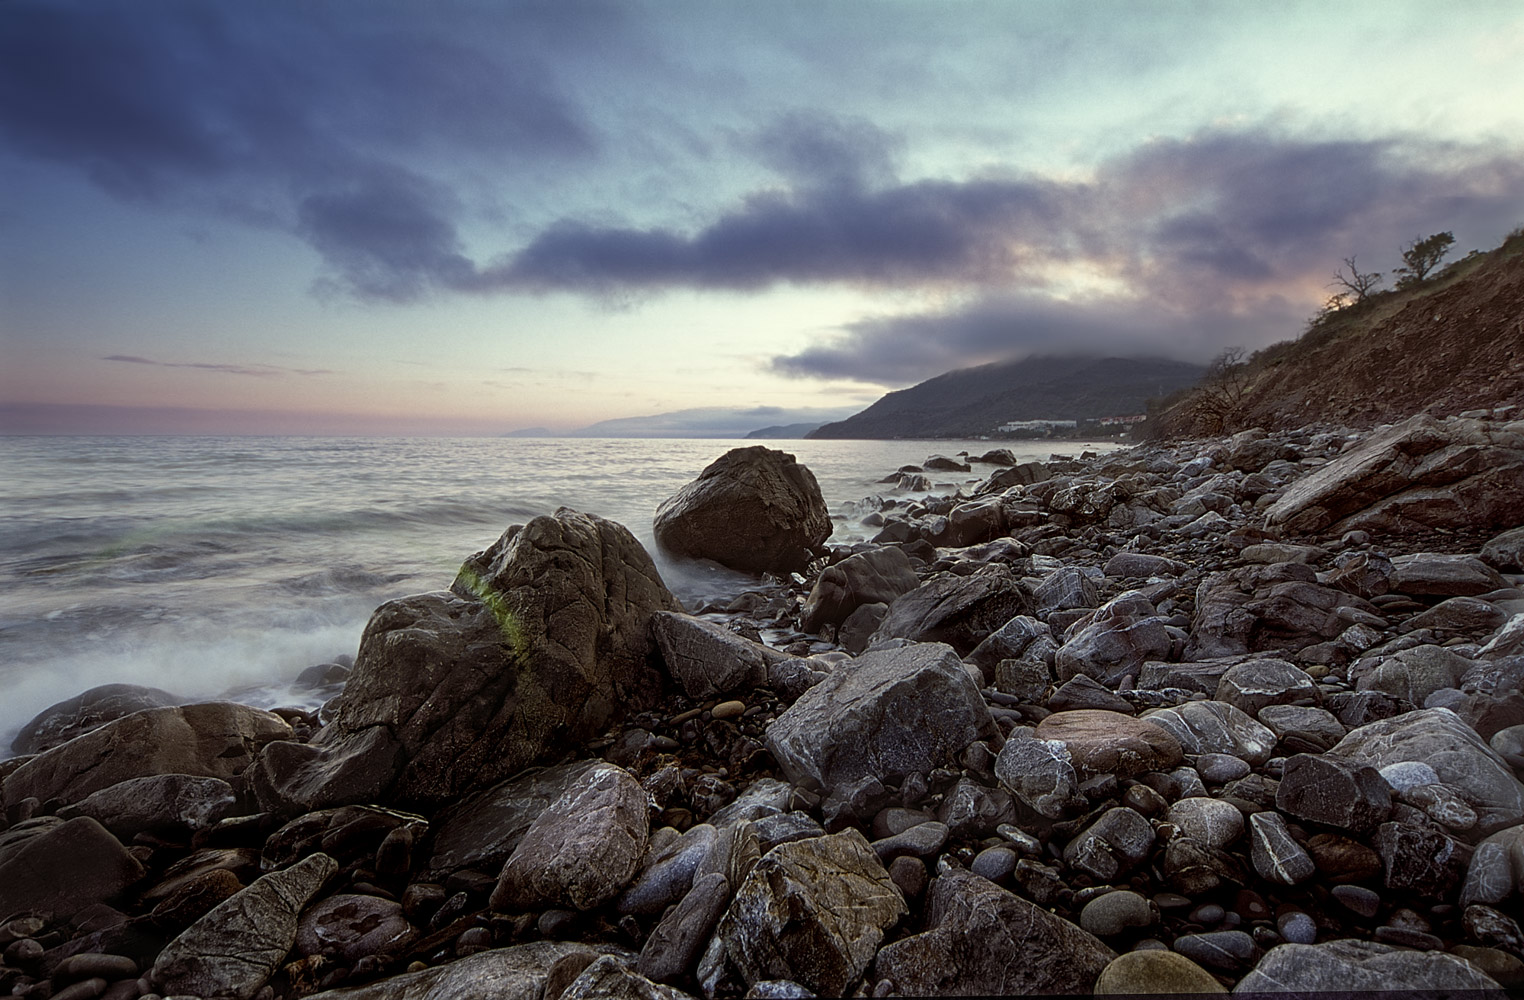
point(1228, 715)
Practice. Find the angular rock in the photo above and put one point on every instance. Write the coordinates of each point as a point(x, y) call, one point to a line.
point(519, 972)
point(673, 949)
point(1257, 684)
point(481, 831)
point(961, 611)
point(582, 850)
point(666, 875)
point(236, 947)
point(612, 978)
point(1437, 737)
point(1275, 854)
point(290, 778)
point(1496, 872)
point(982, 940)
point(1082, 692)
point(1113, 845)
point(1433, 574)
point(753, 509)
point(214, 740)
point(1211, 821)
point(1414, 674)
point(1275, 607)
point(1023, 637)
point(1142, 565)
point(1041, 774)
point(60, 723)
point(1350, 965)
point(894, 711)
point(1421, 473)
point(1215, 727)
point(1101, 742)
point(1459, 616)
point(1120, 638)
point(876, 576)
point(1301, 729)
point(813, 911)
point(1063, 590)
point(1333, 791)
point(352, 926)
point(162, 804)
point(546, 640)
point(707, 659)
point(62, 867)
point(1505, 552)
point(1364, 574)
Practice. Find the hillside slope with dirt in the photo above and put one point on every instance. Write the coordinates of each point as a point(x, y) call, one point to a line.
point(1452, 344)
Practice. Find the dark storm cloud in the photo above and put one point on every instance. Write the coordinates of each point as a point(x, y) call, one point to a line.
point(258, 371)
point(295, 115)
point(1227, 239)
point(917, 234)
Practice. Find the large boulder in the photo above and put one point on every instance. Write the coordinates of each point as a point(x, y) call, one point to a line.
point(213, 740)
point(1438, 737)
point(1274, 607)
point(62, 867)
point(876, 576)
point(481, 831)
point(753, 509)
point(582, 850)
point(544, 641)
point(160, 804)
point(1357, 967)
point(60, 723)
point(813, 911)
point(886, 714)
point(518, 972)
point(981, 940)
point(1124, 634)
point(1422, 473)
point(961, 611)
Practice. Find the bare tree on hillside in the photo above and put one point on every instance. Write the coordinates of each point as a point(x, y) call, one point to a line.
point(1219, 398)
point(1356, 285)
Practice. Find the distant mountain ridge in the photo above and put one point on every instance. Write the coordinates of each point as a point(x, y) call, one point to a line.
point(969, 402)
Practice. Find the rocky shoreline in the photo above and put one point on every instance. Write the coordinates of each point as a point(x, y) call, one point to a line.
point(1238, 715)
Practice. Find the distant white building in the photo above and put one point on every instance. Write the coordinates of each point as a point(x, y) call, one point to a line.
point(1038, 425)
point(1122, 421)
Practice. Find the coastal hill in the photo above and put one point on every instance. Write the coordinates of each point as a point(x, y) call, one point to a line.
point(970, 402)
point(1451, 343)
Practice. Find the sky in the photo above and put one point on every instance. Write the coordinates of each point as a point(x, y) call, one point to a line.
point(473, 218)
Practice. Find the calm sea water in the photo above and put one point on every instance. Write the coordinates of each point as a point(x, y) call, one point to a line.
point(216, 565)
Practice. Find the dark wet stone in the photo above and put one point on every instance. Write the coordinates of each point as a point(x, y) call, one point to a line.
point(1334, 792)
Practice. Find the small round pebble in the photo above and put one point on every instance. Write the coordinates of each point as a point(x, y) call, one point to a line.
point(728, 709)
point(1220, 768)
point(1357, 899)
point(1149, 970)
point(1297, 927)
point(1207, 914)
point(910, 875)
point(1226, 950)
point(1144, 800)
point(994, 863)
point(1115, 912)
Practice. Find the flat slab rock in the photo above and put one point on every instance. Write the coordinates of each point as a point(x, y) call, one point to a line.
point(886, 714)
point(519, 972)
point(1102, 742)
point(1439, 738)
point(1360, 966)
point(983, 940)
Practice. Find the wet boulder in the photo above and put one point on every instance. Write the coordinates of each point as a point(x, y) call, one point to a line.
point(481, 831)
point(519, 972)
point(981, 940)
point(1273, 607)
point(1438, 738)
point(1102, 742)
point(961, 611)
point(214, 740)
point(1124, 633)
point(544, 641)
point(707, 659)
point(60, 723)
point(753, 509)
point(890, 713)
point(813, 911)
point(1354, 966)
point(876, 576)
point(62, 867)
point(160, 804)
point(582, 850)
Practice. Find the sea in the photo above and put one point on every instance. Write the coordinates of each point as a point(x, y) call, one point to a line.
point(220, 567)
